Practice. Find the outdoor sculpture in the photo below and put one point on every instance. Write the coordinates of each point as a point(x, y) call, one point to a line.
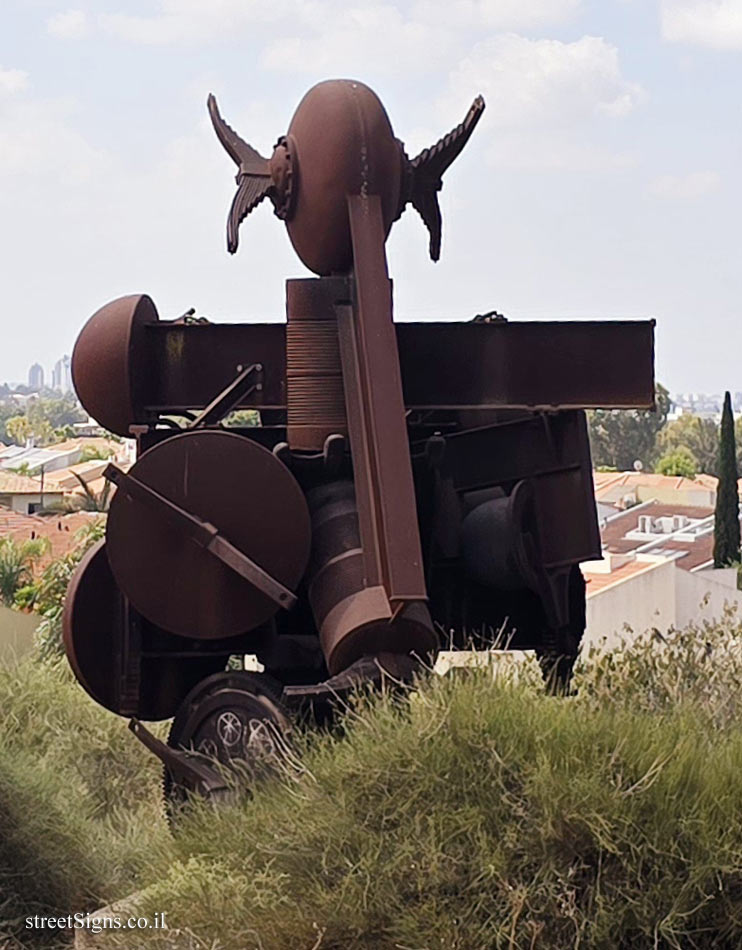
point(409, 486)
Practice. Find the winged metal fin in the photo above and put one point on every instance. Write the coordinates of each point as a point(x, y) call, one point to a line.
point(427, 173)
point(254, 181)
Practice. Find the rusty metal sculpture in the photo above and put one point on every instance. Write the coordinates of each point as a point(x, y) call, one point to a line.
point(408, 486)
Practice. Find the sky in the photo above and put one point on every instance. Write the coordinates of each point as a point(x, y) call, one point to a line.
point(603, 180)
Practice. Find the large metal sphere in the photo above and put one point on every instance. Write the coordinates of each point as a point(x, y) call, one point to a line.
point(342, 144)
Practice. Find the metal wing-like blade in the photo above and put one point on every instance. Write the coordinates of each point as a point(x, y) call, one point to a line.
point(254, 181)
point(427, 173)
point(250, 193)
point(251, 162)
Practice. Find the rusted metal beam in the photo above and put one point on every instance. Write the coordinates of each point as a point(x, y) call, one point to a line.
point(459, 366)
point(378, 434)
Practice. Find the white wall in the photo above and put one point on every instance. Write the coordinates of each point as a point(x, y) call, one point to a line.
point(16, 633)
point(641, 601)
point(703, 595)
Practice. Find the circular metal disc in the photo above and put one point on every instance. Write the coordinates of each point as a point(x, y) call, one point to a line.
point(94, 636)
point(253, 501)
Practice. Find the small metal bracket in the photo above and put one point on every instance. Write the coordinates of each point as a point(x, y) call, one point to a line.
point(204, 534)
point(248, 380)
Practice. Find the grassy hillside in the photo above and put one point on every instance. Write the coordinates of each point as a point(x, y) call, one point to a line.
point(473, 812)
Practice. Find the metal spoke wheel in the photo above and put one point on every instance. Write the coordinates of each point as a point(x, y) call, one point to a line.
point(236, 722)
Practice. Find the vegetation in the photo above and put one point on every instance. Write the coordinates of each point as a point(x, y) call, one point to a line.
point(619, 438)
point(89, 500)
point(681, 461)
point(48, 592)
point(46, 419)
point(726, 521)
point(16, 564)
point(696, 437)
point(474, 811)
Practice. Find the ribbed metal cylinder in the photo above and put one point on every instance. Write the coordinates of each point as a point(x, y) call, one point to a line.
point(314, 379)
point(354, 620)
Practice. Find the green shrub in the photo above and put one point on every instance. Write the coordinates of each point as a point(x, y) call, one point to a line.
point(79, 799)
point(473, 812)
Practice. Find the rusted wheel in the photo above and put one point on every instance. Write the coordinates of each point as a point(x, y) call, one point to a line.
point(234, 719)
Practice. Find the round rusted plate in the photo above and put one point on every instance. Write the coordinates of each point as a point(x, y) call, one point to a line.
point(344, 145)
point(94, 636)
point(253, 501)
point(109, 362)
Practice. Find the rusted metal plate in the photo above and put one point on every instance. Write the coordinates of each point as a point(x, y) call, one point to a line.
point(110, 650)
point(247, 495)
point(565, 365)
point(529, 365)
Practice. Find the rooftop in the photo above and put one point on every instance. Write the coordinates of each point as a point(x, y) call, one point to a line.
point(596, 582)
point(682, 531)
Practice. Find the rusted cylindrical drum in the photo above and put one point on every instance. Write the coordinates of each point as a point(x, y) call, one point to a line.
point(354, 620)
point(314, 378)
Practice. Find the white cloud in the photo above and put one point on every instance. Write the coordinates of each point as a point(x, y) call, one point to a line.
point(38, 137)
point(685, 187)
point(712, 23)
point(549, 104)
point(69, 24)
point(544, 82)
point(495, 14)
point(321, 31)
point(353, 39)
point(186, 22)
point(12, 81)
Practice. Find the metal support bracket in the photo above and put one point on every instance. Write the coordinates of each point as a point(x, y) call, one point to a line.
point(248, 380)
point(204, 534)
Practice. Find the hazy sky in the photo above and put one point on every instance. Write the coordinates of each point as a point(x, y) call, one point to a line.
point(604, 179)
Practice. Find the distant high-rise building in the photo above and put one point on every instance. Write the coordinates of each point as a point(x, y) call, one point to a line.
point(36, 377)
point(61, 375)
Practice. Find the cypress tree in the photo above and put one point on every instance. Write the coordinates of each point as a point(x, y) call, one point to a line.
point(726, 522)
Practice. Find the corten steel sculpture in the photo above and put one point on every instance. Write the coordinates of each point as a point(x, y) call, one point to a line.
point(408, 486)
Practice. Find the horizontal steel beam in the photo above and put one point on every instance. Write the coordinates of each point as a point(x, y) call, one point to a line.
point(452, 366)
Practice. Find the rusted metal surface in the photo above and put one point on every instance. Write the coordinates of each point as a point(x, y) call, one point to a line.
point(233, 489)
point(465, 366)
point(314, 375)
point(339, 143)
point(110, 362)
point(121, 661)
point(399, 482)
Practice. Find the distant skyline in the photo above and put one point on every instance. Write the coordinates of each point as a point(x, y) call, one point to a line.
point(603, 180)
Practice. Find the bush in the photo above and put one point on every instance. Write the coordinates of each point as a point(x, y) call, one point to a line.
point(475, 811)
point(681, 461)
point(51, 589)
point(79, 800)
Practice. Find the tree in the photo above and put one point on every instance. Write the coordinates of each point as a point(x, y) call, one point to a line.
point(19, 429)
point(620, 437)
point(726, 521)
point(89, 500)
point(699, 436)
point(681, 461)
point(16, 563)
